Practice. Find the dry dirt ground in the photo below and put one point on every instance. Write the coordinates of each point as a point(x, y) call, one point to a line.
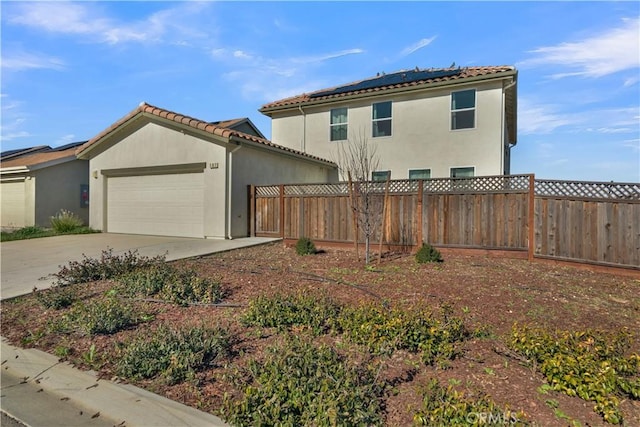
point(486, 291)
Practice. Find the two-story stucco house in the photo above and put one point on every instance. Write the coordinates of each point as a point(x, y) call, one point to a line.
point(425, 123)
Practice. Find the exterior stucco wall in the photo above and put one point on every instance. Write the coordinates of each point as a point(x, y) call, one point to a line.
point(148, 144)
point(421, 131)
point(58, 187)
point(254, 166)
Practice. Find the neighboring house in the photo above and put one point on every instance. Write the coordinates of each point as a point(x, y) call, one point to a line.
point(425, 123)
point(37, 182)
point(162, 173)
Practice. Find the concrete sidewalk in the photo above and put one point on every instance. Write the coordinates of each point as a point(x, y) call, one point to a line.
point(28, 264)
point(38, 390)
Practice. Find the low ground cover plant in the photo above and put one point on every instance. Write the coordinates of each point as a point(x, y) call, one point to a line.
point(446, 406)
point(380, 329)
point(300, 383)
point(108, 266)
point(171, 284)
point(173, 354)
point(284, 311)
point(34, 232)
point(592, 365)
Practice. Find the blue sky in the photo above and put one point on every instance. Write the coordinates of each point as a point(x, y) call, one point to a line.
point(69, 70)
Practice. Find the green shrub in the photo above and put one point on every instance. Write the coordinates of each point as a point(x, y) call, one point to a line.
point(57, 297)
point(29, 232)
point(589, 364)
point(65, 221)
point(446, 406)
point(383, 331)
point(428, 253)
point(301, 384)
point(171, 284)
point(176, 355)
point(108, 266)
point(285, 311)
point(305, 246)
point(104, 316)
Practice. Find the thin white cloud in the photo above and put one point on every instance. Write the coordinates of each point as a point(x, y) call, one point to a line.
point(274, 78)
point(539, 118)
point(613, 50)
point(88, 19)
point(65, 139)
point(6, 137)
point(19, 61)
point(416, 46)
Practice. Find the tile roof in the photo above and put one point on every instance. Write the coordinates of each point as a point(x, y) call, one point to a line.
point(39, 158)
point(194, 123)
point(378, 84)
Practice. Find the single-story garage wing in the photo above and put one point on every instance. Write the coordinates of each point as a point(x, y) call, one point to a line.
point(158, 172)
point(37, 182)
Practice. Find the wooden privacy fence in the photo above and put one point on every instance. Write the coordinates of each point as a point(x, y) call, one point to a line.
point(589, 222)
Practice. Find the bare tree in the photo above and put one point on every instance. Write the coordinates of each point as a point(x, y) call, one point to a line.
point(357, 159)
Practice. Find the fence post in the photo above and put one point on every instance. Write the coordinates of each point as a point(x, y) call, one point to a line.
point(419, 237)
point(252, 210)
point(282, 211)
point(531, 219)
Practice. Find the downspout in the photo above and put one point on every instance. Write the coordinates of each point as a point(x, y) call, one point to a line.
point(503, 130)
point(303, 145)
point(229, 189)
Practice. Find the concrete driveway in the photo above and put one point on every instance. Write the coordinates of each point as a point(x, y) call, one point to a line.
point(31, 263)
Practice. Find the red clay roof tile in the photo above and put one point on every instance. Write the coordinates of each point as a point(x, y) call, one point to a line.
point(465, 73)
point(208, 127)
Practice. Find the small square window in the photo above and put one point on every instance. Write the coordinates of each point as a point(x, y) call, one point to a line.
point(467, 172)
point(419, 173)
point(380, 175)
point(338, 125)
point(381, 119)
point(463, 109)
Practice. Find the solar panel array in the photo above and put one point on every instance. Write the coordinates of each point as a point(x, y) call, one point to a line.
point(389, 80)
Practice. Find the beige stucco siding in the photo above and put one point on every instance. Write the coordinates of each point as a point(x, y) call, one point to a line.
point(421, 131)
point(58, 187)
point(148, 145)
point(257, 166)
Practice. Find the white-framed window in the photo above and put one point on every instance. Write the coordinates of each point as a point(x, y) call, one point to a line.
point(338, 124)
point(381, 119)
point(465, 172)
point(419, 173)
point(380, 175)
point(463, 109)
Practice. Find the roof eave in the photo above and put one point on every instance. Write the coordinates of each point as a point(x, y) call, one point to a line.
point(283, 151)
point(371, 93)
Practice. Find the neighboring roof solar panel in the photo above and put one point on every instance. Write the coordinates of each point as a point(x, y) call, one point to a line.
point(68, 146)
point(388, 80)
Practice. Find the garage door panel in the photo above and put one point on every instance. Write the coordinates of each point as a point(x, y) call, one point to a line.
point(164, 205)
point(13, 196)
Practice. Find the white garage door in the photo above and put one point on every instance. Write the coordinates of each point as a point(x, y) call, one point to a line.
point(160, 205)
point(12, 198)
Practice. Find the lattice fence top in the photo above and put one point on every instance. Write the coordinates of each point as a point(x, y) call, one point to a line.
point(497, 184)
point(587, 190)
point(482, 184)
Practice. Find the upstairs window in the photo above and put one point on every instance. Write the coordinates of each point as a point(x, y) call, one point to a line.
point(381, 116)
point(380, 175)
point(462, 172)
point(419, 173)
point(463, 109)
point(338, 126)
